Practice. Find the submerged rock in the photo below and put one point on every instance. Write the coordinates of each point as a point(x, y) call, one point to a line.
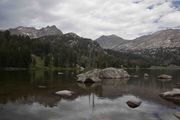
point(164, 76)
point(97, 75)
point(134, 103)
point(64, 93)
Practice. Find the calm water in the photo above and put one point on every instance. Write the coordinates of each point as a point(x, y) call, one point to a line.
point(28, 95)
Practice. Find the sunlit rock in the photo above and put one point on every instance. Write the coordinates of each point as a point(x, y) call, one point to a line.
point(172, 93)
point(64, 93)
point(172, 96)
point(164, 76)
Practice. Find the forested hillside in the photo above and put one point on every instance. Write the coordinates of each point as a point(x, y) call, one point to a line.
point(65, 51)
point(14, 50)
point(71, 51)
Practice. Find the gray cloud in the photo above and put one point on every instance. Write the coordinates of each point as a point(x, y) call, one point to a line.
point(92, 18)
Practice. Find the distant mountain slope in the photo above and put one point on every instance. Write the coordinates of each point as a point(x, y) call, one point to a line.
point(163, 39)
point(162, 48)
point(110, 42)
point(35, 33)
point(68, 50)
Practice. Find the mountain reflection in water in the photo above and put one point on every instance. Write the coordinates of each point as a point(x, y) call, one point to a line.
point(21, 98)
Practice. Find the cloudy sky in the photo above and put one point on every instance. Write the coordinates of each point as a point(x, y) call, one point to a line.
point(93, 18)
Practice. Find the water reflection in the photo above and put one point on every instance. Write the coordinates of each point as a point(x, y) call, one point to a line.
point(21, 98)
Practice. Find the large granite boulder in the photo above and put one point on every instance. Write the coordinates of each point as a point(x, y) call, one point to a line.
point(90, 76)
point(97, 75)
point(113, 73)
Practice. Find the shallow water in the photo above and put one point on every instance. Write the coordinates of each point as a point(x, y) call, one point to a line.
point(28, 95)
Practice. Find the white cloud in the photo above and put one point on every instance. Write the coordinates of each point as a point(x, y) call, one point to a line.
point(92, 18)
point(171, 19)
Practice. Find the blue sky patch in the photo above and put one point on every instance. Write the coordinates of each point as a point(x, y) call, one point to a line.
point(176, 4)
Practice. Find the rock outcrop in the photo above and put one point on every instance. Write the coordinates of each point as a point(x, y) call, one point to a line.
point(97, 75)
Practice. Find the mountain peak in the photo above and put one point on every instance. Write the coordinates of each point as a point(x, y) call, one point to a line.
point(71, 34)
point(168, 38)
point(36, 33)
point(50, 27)
point(110, 41)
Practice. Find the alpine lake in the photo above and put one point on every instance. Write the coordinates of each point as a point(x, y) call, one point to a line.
point(30, 95)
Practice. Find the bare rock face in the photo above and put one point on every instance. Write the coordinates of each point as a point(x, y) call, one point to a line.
point(110, 41)
point(161, 39)
point(164, 76)
point(97, 75)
